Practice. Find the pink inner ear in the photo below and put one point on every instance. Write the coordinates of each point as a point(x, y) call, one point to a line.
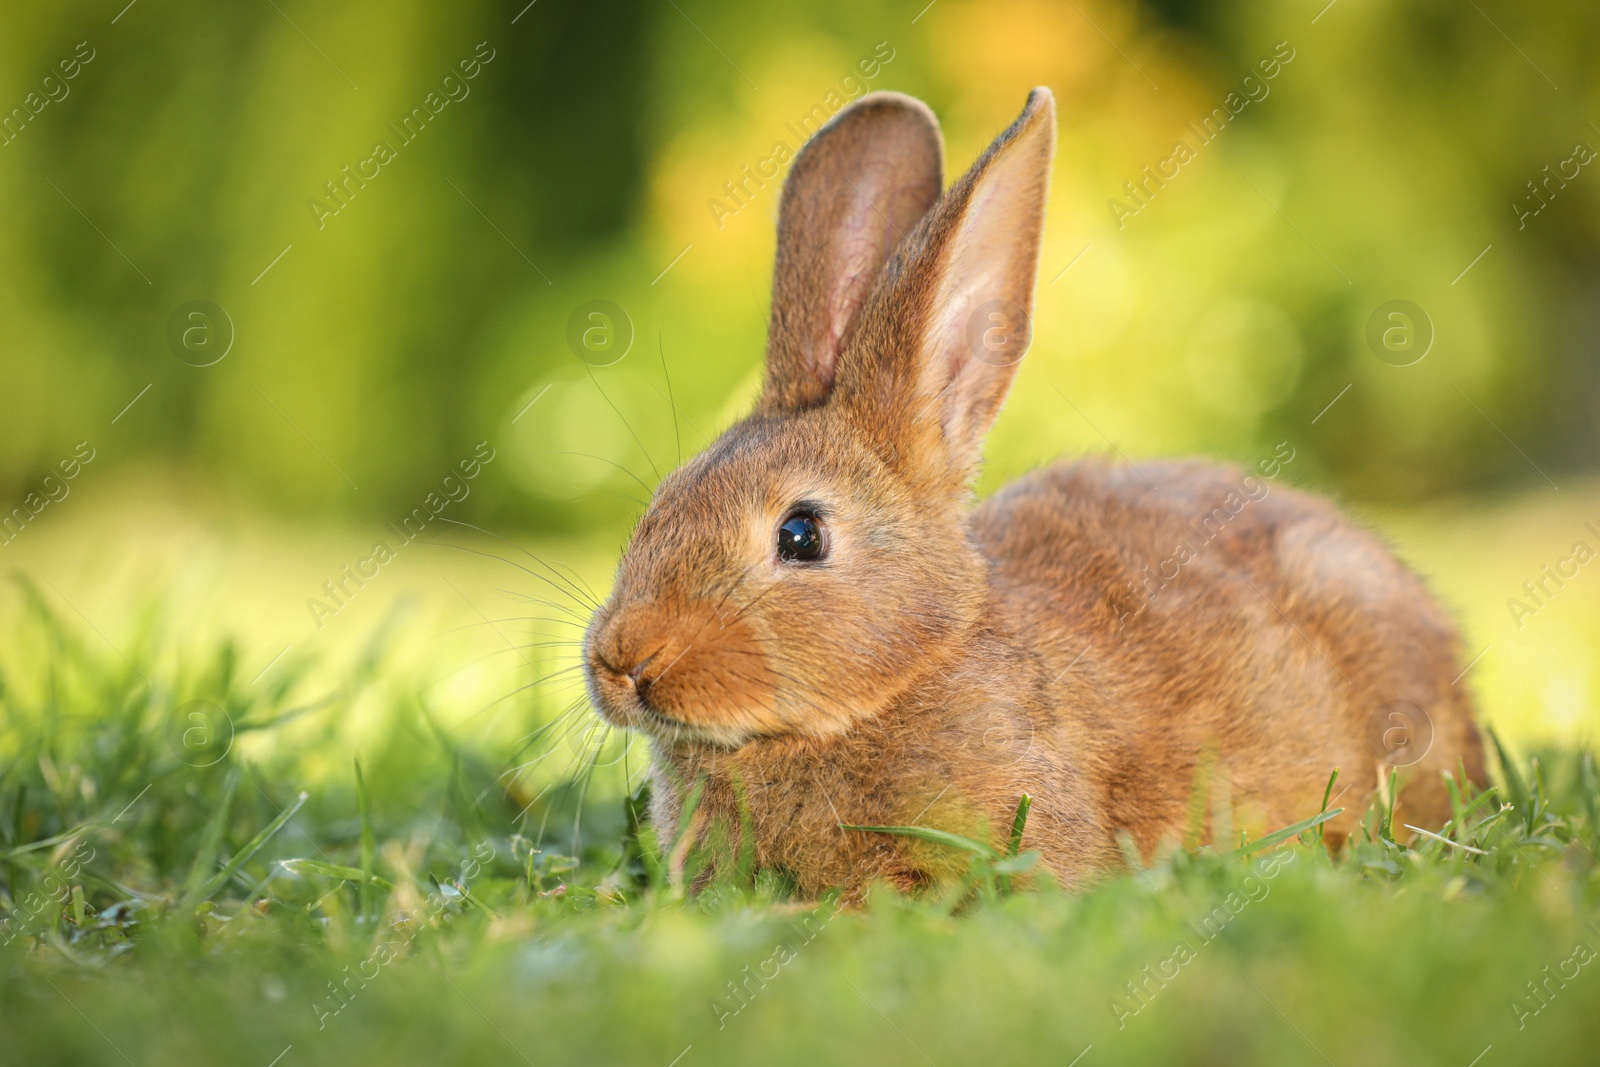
point(992, 257)
point(865, 240)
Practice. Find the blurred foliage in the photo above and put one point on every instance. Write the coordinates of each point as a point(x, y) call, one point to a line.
point(581, 163)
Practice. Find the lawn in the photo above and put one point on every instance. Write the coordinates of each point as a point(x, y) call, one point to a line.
point(412, 845)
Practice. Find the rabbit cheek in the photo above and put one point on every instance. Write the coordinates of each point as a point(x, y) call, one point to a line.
point(721, 685)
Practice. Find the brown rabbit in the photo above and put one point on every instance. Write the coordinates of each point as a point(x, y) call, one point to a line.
point(813, 620)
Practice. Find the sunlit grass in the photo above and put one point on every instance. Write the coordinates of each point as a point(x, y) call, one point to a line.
point(405, 838)
point(175, 898)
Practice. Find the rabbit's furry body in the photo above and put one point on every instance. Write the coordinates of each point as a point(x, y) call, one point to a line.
point(938, 660)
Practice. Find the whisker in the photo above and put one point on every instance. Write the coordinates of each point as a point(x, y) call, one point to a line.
point(480, 659)
point(583, 793)
point(518, 566)
point(704, 437)
point(677, 439)
point(566, 791)
point(500, 699)
point(627, 769)
point(744, 574)
point(524, 688)
point(530, 739)
point(579, 579)
point(625, 422)
point(573, 723)
point(523, 814)
point(494, 622)
point(592, 600)
point(528, 598)
point(611, 463)
point(642, 505)
point(753, 602)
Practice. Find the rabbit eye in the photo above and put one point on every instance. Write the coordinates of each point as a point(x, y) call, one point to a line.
point(800, 538)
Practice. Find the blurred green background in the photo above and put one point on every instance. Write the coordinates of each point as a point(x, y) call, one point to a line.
point(1392, 154)
point(251, 320)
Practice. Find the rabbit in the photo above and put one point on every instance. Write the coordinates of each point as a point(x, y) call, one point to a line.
point(815, 627)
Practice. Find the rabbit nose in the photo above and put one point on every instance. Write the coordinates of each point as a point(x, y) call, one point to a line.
point(626, 665)
point(639, 644)
point(636, 674)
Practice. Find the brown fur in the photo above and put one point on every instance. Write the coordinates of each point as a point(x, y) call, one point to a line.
point(944, 660)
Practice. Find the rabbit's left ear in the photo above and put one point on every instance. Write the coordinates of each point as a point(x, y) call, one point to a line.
point(855, 190)
point(955, 307)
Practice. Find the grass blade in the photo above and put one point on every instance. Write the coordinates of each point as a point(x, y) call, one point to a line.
point(1326, 793)
point(205, 858)
point(1278, 836)
point(242, 857)
point(1590, 789)
point(683, 842)
point(53, 840)
point(369, 846)
point(927, 833)
point(1508, 770)
point(334, 870)
point(1018, 824)
point(1444, 840)
point(1390, 797)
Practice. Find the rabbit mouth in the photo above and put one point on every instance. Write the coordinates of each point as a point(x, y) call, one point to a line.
point(649, 715)
point(659, 722)
point(666, 727)
point(634, 710)
point(623, 703)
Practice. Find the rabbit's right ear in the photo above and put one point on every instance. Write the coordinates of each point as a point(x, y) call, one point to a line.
point(856, 188)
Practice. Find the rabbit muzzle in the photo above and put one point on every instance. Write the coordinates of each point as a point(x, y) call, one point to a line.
point(680, 671)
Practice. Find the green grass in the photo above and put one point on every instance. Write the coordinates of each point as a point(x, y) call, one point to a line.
point(183, 890)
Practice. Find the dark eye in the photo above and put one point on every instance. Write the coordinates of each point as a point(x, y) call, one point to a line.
point(800, 538)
